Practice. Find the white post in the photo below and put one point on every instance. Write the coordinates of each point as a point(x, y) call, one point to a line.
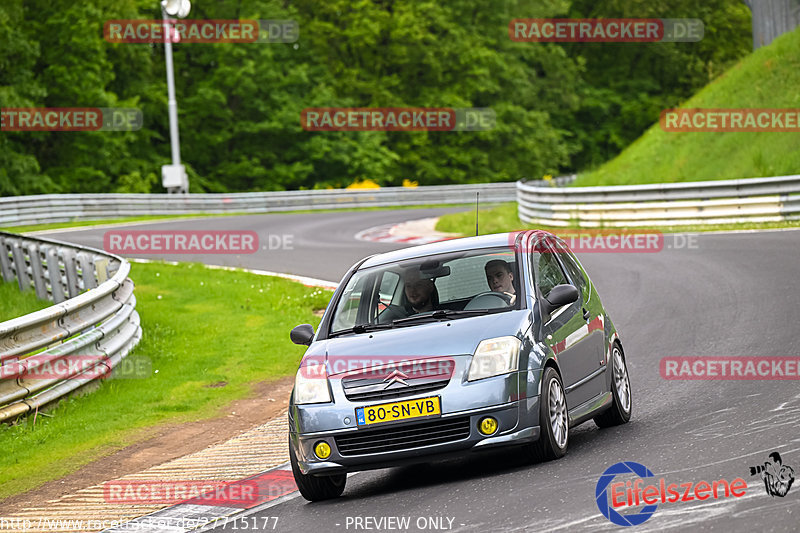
point(173, 176)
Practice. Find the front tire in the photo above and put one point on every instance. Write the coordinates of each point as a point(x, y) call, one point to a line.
point(553, 420)
point(622, 404)
point(316, 488)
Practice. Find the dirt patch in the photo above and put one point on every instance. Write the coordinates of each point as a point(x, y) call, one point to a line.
point(164, 443)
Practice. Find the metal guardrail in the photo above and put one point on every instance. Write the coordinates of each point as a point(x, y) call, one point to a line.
point(93, 318)
point(22, 210)
point(662, 204)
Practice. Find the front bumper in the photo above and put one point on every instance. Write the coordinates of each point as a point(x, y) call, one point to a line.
point(516, 426)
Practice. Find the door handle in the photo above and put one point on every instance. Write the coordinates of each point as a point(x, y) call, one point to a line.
point(586, 314)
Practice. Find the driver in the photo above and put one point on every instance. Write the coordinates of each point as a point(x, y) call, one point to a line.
point(420, 296)
point(500, 278)
point(419, 291)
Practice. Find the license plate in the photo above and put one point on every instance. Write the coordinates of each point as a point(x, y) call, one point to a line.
point(391, 412)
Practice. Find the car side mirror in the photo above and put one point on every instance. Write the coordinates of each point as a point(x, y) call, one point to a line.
point(302, 334)
point(561, 295)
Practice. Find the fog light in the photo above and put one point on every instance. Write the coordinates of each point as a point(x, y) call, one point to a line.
point(322, 449)
point(487, 425)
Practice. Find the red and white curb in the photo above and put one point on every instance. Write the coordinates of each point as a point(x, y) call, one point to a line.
point(207, 512)
point(412, 232)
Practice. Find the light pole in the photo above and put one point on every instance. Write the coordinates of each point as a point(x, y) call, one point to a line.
point(173, 177)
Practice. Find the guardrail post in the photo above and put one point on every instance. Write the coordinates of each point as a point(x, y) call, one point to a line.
point(71, 271)
point(101, 268)
point(54, 273)
point(5, 262)
point(20, 267)
point(87, 270)
point(39, 281)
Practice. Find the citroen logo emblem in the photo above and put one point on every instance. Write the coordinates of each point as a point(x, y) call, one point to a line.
point(395, 377)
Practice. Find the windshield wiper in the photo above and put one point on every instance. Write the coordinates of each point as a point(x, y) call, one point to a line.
point(442, 314)
point(361, 328)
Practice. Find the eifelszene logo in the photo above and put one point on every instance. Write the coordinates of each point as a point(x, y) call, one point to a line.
point(778, 477)
point(630, 495)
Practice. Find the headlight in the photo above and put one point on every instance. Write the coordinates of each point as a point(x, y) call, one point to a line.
point(494, 357)
point(311, 385)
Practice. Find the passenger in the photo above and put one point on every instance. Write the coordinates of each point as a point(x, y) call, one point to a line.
point(500, 278)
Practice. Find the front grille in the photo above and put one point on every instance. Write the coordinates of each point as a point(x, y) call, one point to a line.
point(408, 378)
point(366, 393)
point(403, 437)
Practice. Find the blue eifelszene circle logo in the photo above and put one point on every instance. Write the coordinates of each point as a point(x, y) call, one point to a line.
point(602, 497)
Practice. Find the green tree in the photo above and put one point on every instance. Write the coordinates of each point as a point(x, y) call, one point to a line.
point(19, 169)
point(559, 107)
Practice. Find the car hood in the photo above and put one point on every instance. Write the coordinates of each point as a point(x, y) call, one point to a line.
point(450, 337)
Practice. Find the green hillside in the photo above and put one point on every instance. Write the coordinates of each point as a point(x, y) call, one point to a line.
point(768, 78)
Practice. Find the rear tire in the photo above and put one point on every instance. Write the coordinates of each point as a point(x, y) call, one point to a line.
point(622, 404)
point(553, 420)
point(316, 488)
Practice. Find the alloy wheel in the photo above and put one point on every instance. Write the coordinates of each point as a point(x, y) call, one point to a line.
point(621, 381)
point(558, 413)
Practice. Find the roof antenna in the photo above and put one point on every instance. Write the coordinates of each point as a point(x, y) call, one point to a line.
point(477, 200)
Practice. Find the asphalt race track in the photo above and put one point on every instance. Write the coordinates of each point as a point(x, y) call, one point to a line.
point(319, 245)
point(727, 295)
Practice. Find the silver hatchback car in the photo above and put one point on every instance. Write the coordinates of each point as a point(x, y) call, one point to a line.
point(453, 347)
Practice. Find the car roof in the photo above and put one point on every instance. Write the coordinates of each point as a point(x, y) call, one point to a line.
point(446, 246)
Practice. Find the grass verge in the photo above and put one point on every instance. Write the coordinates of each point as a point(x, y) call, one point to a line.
point(504, 218)
point(201, 327)
point(767, 78)
point(14, 303)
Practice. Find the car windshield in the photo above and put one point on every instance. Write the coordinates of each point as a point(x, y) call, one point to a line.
point(444, 286)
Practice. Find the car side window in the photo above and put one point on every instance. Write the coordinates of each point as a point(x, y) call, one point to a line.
point(347, 309)
point(574, 271)
point(550, 273)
